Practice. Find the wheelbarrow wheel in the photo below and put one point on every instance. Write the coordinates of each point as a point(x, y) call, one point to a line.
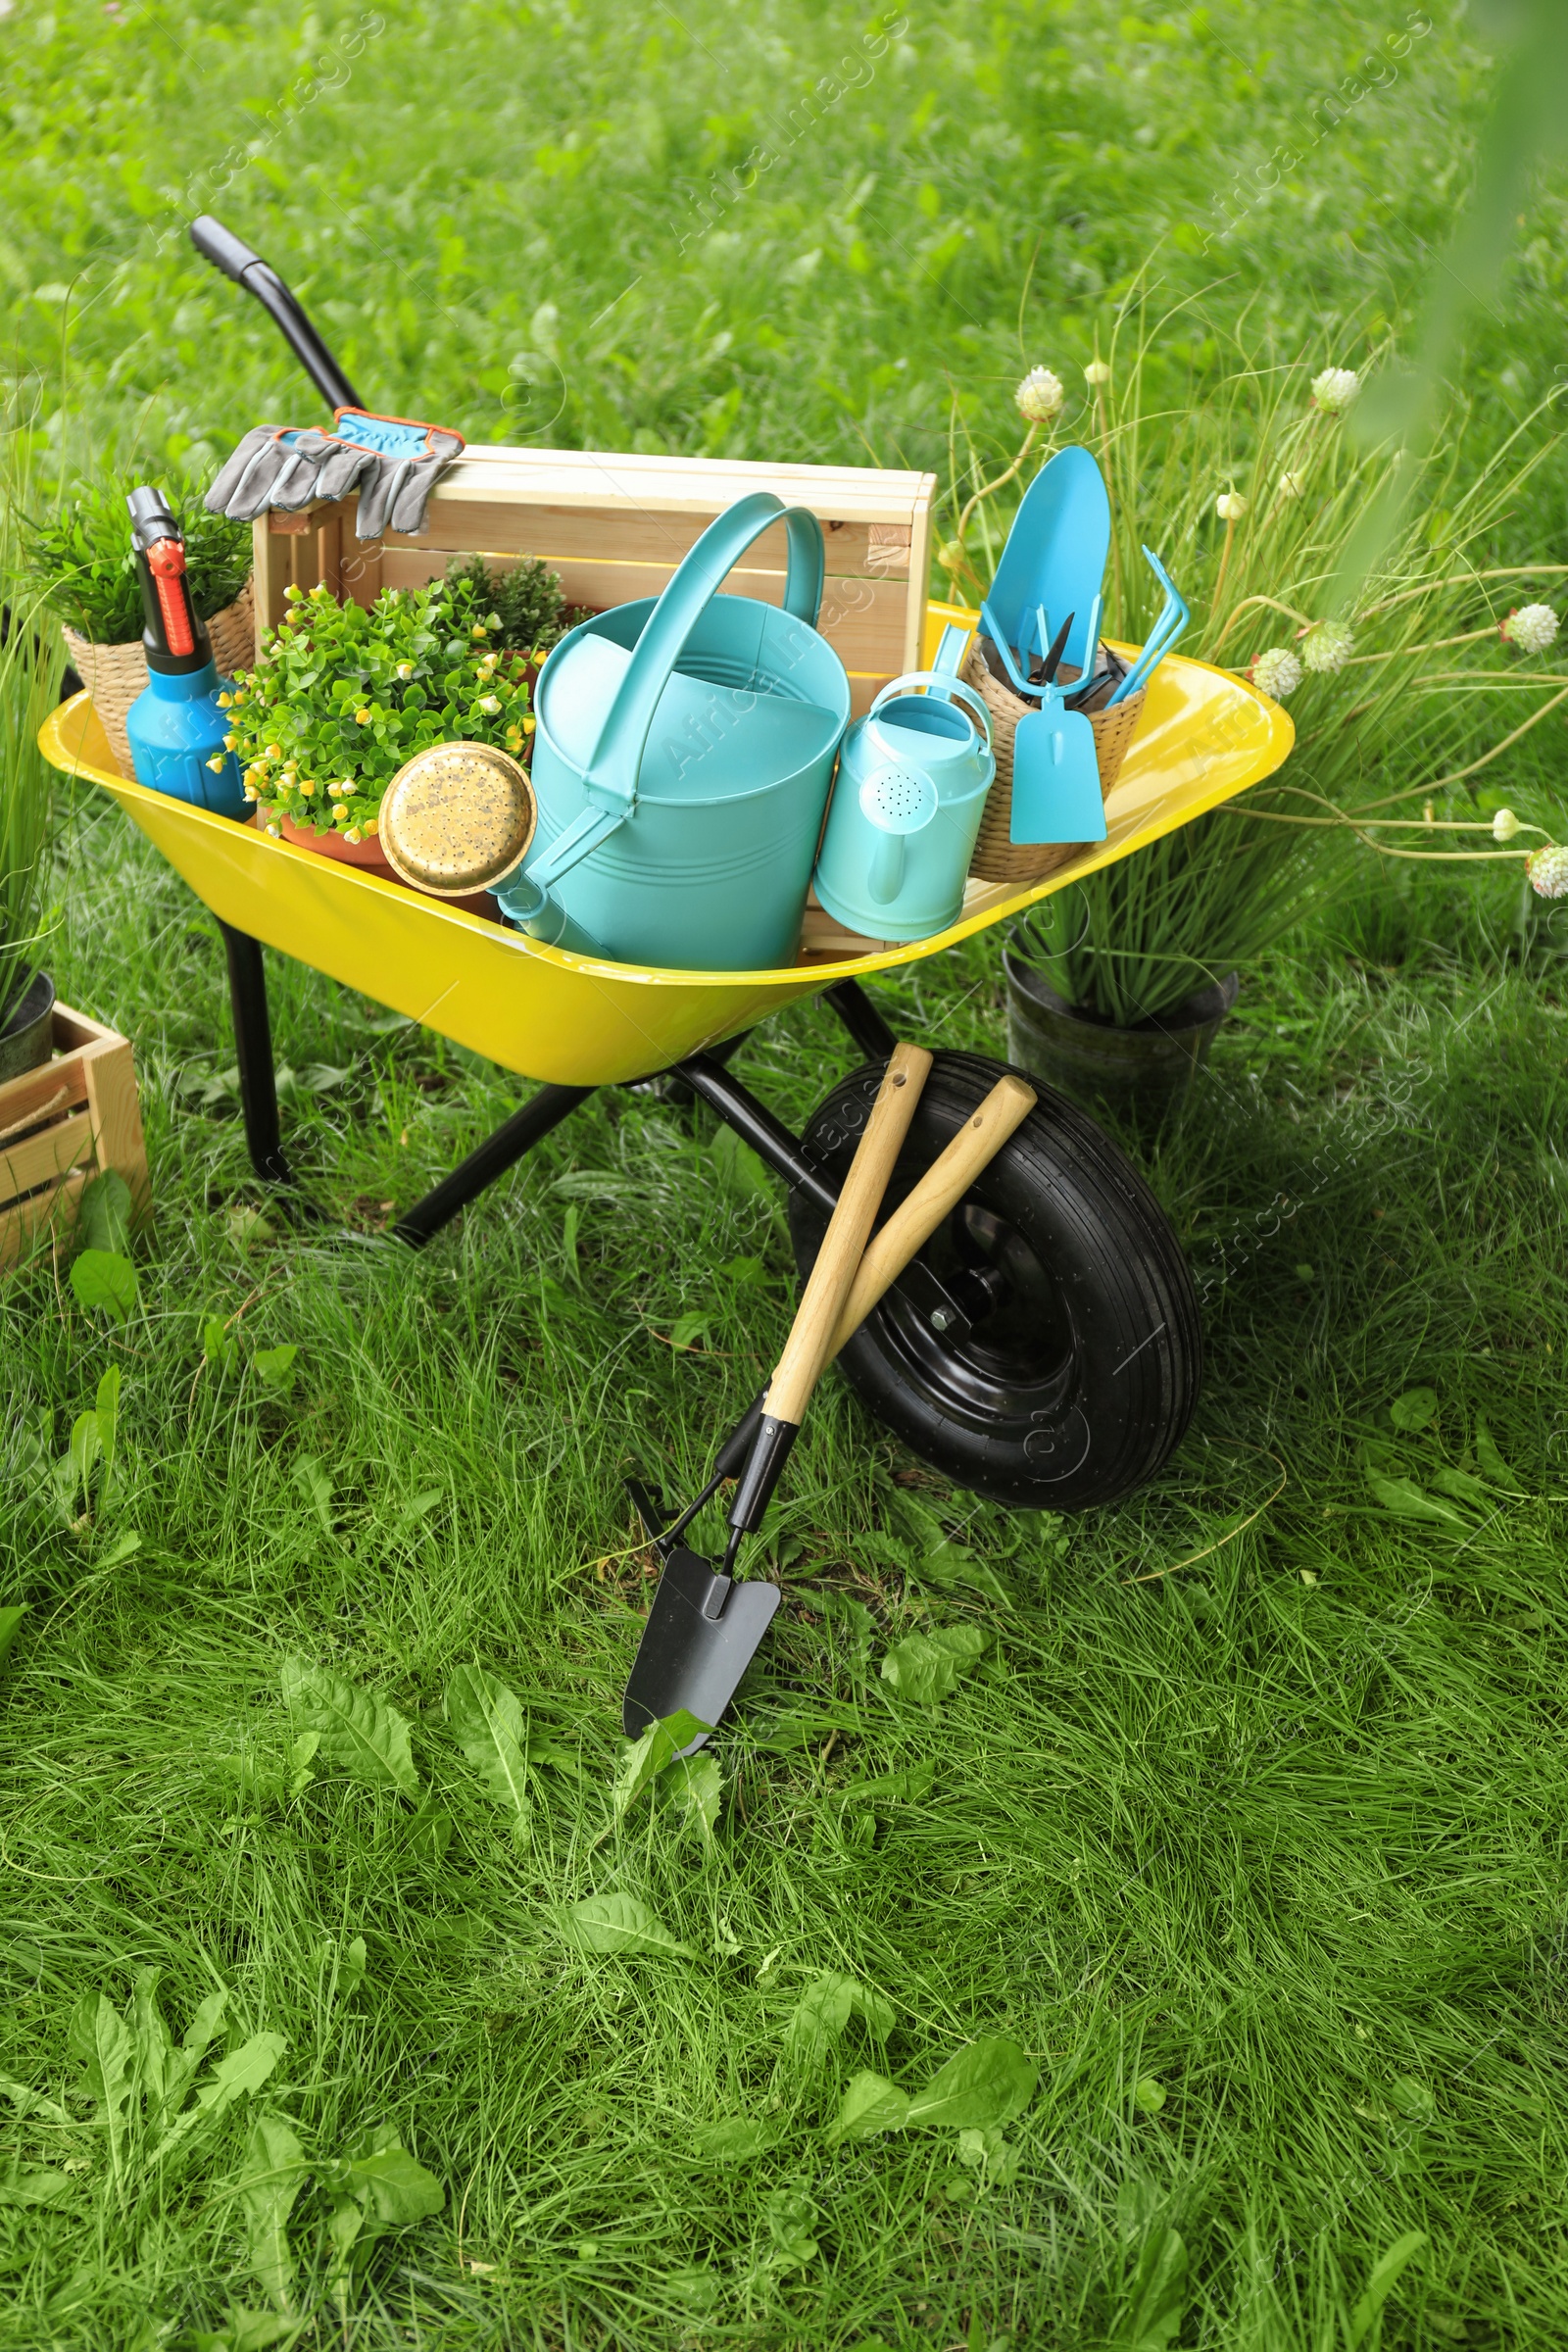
point(1081, 1365)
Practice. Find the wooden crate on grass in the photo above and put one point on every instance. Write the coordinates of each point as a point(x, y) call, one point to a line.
point(615, 528)
point(70, 1119)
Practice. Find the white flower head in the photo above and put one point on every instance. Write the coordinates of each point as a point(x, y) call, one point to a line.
point(1098, 371)
point(405, 669)
point(1333, 390)
point(1532, 628)
point(1039, 396)
point(1504, 825)
point(1230, 506)
point(1292, 485)
point(1548, 873)
point(490, 705)
point(1277, 672)
point(1327, 647)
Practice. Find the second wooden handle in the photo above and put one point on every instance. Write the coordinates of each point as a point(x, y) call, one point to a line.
point(938, 1191)
point(816, 1318)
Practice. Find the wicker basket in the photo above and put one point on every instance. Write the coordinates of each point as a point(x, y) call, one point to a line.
point(997, 858)
point(116, 675)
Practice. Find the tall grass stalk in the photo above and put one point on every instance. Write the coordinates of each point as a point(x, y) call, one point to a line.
point(32, 665)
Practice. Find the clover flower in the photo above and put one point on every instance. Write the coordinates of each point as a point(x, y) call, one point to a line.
point(1333, 390)
point(1531, 627)
point(1327, 647)
point(1098, 371)
point(1548, 873)
point(1230, 506)
point(1504, 825)
point(1276, 673)
point(1039, 396)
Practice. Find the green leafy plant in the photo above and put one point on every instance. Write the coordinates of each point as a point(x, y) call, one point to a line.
point(82, 565)
point(530, 611)
point(32, 665)
point(344, 694)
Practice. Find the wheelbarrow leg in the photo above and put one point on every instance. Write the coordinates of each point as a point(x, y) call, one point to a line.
point(861, 1019)
point(498, 1153)
point(252, 1050)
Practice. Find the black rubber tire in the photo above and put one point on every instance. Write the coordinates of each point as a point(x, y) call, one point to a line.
point(1080, 1381)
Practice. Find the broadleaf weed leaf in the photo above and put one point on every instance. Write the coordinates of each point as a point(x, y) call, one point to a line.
point(103, 1213)
point(620, 1922)
point(105, 1283)
point(11, 1617)
point(986, 2082)
point(870, 2104)
point(360, 1733)
point(646, 1757)
point(271, 2179)
point(275, 1369)
point(487, 1721)
point(1414, 1409)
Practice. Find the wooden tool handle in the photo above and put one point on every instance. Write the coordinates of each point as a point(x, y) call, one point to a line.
point(938, 1191)
point(816, 1318)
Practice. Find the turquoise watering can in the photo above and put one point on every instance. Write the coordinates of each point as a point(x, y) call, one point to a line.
point(906, 807)
point(682, 757)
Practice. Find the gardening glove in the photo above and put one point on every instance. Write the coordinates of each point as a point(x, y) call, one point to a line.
point(393, 462)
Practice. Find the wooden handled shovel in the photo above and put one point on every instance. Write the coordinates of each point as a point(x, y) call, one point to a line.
point(704, 1628)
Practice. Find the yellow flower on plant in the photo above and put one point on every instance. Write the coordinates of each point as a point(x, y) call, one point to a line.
point(339, 812)
point(354, 834)
point(362, 718)
point(219, 763)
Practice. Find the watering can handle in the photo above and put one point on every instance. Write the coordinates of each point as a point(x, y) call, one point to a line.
point(946, 688)
point(612, 777)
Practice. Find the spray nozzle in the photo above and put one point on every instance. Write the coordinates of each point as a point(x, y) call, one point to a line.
point(174, 639)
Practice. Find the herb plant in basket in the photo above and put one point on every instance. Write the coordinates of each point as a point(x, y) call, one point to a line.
point(81, 568)
point(343, 695)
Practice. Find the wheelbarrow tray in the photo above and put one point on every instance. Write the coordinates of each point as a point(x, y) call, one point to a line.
point(571, 1020)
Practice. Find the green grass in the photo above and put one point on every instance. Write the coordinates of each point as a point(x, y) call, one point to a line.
point(1257, 1861)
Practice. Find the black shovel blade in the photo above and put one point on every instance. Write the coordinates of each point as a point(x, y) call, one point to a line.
point(703, 1631)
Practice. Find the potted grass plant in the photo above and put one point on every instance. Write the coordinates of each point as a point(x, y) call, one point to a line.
point(81, 567)
point(31, 664)
point(1239, 468)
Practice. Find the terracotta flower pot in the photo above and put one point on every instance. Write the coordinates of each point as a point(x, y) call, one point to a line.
point(371, 859)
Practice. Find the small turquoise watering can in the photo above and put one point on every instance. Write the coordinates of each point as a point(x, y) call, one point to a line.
point(682, 759)
point(910, 794)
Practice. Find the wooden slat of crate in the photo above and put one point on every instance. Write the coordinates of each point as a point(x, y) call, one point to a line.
point(72, 1119)
point(636, 516)
point(852, 550)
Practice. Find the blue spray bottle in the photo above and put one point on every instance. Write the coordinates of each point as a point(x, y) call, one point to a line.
point(175, 728)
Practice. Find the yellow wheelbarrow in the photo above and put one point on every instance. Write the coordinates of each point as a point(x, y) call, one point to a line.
point(1043, 1348)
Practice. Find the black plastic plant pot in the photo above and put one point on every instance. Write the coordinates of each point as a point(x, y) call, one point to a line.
point(27, 1031)
point(1145, 1070)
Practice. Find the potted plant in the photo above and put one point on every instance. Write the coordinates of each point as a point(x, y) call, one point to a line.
point(31, 663)
point(343, 693)
point(1244, 478)
point(81, 567)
